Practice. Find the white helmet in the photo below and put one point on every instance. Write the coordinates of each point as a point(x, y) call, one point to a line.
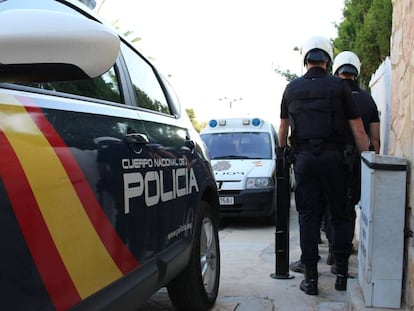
point(317, 48)
point(346, 62)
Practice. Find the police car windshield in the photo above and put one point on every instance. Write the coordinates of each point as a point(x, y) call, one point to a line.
point(238, 145)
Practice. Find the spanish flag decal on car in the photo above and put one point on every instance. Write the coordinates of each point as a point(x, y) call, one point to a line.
point(50, 198)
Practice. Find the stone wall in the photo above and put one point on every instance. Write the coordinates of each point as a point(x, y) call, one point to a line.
point(402, 119)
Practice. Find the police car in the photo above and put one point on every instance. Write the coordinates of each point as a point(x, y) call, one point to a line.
point(106, 191)
point(242, 152)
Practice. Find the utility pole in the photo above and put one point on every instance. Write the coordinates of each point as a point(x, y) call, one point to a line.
point(231, 101)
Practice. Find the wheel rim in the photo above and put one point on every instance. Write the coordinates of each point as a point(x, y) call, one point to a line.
point(208, 255)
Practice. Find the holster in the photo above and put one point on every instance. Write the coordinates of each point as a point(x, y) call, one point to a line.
point(350, 156)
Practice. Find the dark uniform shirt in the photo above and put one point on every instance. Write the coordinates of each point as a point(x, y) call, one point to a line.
point(365, 103)
point(327, 83)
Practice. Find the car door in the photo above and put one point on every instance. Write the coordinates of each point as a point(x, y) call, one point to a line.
point(171, 187)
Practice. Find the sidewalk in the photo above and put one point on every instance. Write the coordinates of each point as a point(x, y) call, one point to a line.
point(253, 289)
point(246, 284)
point(248, 260)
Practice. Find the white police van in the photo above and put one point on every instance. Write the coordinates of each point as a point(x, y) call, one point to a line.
point(242, 153)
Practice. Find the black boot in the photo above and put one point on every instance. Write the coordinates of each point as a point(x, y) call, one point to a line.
point(340, 283)
point(297, 266)
point(341, 275)
point(310, 284)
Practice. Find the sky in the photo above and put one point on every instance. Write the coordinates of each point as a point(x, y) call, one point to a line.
point(220, 55)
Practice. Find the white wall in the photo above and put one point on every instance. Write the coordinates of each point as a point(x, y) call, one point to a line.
point(380, 85)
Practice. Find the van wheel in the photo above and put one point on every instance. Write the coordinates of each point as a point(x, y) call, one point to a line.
point(196, 288)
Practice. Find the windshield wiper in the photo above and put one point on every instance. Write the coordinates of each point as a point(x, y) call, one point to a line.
point(231, 157)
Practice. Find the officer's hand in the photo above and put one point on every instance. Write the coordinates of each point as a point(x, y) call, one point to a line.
point(280, 151)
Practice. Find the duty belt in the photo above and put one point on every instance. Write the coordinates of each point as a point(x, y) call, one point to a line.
point(317, 146)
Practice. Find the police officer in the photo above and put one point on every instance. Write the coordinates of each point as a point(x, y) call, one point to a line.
point(347, 66)
point(318, 108)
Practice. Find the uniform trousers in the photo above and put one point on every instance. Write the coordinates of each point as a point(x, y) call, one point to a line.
point(321, 177)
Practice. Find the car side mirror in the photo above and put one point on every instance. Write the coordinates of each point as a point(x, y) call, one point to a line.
point(44, 46)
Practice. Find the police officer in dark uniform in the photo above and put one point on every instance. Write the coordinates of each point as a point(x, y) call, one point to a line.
point(347, 66)
point(319, 108)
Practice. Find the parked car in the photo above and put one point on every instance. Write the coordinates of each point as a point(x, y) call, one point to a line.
point(106, 192)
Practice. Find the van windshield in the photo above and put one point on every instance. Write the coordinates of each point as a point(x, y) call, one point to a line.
point(238, 145)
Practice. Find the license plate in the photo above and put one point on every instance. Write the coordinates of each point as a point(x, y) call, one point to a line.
point(226, 200)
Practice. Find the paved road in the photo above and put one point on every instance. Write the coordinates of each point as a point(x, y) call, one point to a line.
point(248, 260)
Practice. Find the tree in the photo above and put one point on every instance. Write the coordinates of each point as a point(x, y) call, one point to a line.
point(287, 74)
point(366, 30)
point(198, 126)
point(127, 34)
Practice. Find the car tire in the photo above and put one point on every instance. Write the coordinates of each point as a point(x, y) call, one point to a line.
point(196, 288)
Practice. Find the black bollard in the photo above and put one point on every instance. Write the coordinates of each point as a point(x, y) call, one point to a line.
point(282, 194)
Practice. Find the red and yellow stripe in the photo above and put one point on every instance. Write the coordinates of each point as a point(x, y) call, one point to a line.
point(73, 244)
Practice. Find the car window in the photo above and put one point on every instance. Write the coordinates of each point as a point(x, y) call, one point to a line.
point(172, 95)
point(244, 145)
point(147, 89)
point(104, 87)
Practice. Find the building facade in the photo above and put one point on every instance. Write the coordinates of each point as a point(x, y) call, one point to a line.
point(401, 136)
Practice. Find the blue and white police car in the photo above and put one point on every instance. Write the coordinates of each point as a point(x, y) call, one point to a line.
point(106, 191)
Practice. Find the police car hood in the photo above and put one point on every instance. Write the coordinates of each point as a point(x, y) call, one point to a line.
point(241, 169)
